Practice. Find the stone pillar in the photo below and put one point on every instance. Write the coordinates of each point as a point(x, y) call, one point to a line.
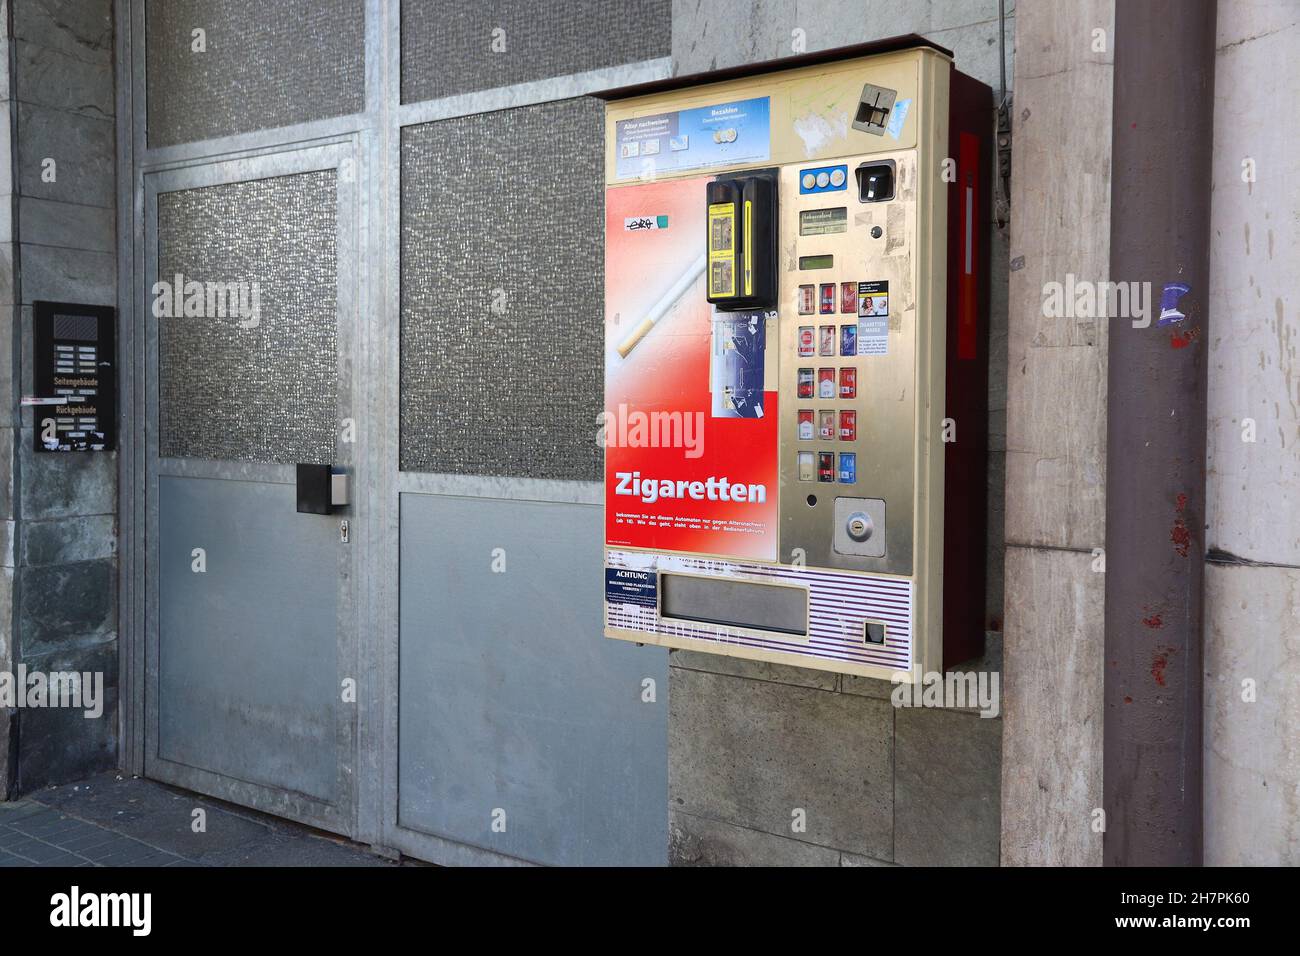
point(1056, 438)
point(1252, 578)
point(8, 404)
point(61, 537)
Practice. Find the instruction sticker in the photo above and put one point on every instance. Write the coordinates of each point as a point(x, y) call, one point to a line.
point(720, 135)
point(873, 318)
point(625, 586)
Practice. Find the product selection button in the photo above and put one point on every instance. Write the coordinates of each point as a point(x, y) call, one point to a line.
point(848, 425)
point(848, 467)
point(806, 424)
point(807, 341)
point(826, 424)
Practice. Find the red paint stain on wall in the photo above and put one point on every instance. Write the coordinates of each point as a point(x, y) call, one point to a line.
point(1158, 668)
point(1154, 621)
point(1181, 537)
point(1179, 534)
point(1180, 340)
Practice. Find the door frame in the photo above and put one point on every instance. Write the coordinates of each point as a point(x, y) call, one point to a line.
point(340, 157)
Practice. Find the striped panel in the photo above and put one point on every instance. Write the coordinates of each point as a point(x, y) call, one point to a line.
point(840, 603)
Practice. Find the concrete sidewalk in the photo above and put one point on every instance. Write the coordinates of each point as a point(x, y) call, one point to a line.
point(113, 820)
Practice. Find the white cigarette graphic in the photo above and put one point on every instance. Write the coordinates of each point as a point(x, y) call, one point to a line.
point(660, 308)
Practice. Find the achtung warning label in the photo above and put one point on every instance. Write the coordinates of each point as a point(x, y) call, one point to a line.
point(624, 586)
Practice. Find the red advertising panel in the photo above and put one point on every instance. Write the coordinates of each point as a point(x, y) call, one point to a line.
point(690, 434)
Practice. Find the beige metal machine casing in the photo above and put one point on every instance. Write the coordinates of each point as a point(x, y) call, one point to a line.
point(900, 397)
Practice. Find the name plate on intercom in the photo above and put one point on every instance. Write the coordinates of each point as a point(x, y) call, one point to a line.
point(74, 377)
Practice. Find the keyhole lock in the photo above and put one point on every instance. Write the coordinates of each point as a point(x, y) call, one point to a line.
point(860, 526)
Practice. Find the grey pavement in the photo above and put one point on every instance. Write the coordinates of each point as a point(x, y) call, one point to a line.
point(117, 820)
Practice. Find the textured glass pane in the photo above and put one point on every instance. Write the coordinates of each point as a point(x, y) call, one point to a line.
point(264, 65)
point(254, 385)
point(502, 279)
point(450, 48)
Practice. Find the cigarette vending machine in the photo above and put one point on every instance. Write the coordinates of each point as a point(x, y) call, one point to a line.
point(795, 422)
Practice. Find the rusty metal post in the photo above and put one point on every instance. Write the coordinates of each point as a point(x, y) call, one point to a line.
point(1156, 418)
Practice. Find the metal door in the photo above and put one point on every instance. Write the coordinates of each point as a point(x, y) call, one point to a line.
point(251, 294)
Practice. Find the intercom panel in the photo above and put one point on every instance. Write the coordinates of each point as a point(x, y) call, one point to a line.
point(73, 360)
point(795, 352)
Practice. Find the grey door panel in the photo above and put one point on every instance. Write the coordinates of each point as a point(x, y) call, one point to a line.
point(248, 672)
point(511, 702)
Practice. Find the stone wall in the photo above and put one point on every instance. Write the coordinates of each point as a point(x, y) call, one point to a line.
point(61, 552)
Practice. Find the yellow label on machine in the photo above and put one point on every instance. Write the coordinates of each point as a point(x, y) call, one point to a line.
point(722, 246)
